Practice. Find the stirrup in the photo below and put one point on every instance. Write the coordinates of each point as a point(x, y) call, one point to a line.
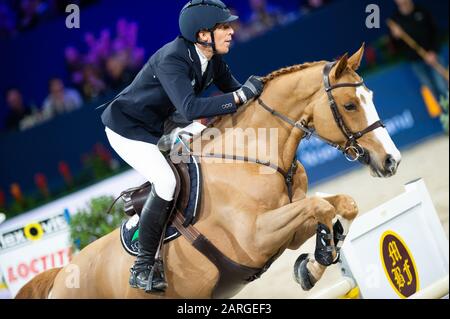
point(156, 279)
point(134, 280)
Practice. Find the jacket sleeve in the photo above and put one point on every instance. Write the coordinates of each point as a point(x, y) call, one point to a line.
point(223, 78)
point(173, 74)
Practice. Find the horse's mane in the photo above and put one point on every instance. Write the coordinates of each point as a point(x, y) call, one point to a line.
point(266, 79)
point(289, 69)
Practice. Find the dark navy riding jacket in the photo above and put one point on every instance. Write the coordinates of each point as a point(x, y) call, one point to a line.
point(170, 81)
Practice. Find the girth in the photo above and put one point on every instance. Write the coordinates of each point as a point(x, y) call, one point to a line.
point(232, 276)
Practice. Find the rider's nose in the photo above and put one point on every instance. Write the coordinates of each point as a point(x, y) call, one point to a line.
point(390, 164)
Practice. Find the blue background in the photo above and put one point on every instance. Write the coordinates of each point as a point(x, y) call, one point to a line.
point(30, 60)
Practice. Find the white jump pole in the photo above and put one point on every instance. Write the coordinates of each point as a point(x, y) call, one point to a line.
point(436, 290)
point(337, 290)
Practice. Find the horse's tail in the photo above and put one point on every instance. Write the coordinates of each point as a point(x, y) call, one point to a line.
point(40, 286)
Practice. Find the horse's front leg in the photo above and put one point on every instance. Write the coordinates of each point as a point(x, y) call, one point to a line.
point(292, 224)
point(345, 205)
point(307, 269)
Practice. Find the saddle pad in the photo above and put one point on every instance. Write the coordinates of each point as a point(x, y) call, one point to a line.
point(129, 230)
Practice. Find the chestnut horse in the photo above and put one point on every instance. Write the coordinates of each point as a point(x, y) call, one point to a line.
point(247, 214)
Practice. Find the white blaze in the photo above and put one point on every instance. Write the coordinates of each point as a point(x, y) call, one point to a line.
point(366, 98)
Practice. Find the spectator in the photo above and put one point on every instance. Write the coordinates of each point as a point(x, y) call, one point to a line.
point(264, 17)
point(92, 83)
point(117, 73)
point(418, 23)
point(17, 110)
point(60, 99)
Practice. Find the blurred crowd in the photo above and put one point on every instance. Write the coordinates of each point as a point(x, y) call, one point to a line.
point(20, 15)
point(108, 62)
point(265, 15)
point(107, 66)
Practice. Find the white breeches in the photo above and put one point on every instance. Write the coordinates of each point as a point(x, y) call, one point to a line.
point(147, 160)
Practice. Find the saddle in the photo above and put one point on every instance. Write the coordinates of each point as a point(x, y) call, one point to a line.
point(187, 199)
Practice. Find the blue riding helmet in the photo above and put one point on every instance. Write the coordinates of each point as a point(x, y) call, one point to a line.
point(199, 15)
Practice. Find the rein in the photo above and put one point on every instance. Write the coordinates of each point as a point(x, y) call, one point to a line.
point(350, 145)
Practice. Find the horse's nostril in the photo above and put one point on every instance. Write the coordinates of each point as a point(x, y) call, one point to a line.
point(390, 164)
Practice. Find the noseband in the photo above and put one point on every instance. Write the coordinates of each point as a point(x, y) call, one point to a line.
point(351, 145)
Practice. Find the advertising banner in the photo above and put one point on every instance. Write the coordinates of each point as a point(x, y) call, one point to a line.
point(40, 239)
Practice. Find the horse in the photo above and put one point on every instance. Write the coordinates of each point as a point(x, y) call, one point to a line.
point(249, 216)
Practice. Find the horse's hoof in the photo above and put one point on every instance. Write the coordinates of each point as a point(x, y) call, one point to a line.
point(301, 273)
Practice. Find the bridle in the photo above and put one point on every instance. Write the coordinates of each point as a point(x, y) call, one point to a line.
point(351, 145)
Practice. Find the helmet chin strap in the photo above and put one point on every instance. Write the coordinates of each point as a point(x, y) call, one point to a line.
point(211, 44)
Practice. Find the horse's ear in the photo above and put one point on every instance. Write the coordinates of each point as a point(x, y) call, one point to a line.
point(341, 65)
point(355, 59)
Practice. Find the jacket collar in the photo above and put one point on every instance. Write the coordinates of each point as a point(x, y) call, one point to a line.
point(193, 57)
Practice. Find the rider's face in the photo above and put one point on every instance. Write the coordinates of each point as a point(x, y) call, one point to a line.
point(223, 34)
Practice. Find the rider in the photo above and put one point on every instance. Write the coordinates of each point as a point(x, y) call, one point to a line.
point(171, 81)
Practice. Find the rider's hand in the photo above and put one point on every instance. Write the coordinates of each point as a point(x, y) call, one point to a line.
point(251, 88)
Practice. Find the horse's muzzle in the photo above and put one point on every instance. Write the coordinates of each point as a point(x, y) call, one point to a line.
point(387, 168)
point(390, 166)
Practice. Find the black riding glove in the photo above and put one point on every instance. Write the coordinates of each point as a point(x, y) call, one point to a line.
point(251, 88)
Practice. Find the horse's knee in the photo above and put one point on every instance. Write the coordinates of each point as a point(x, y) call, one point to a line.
point(323, 208)
point(345, 205)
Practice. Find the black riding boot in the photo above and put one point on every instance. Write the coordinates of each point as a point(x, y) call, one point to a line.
point(146, 274)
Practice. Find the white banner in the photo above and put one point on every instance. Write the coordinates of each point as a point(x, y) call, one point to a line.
point(39, 239)
point(21, 265)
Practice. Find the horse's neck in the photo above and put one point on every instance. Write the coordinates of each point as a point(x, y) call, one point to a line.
point(290, 95)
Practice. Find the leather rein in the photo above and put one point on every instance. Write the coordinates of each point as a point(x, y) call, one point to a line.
point(351, 145)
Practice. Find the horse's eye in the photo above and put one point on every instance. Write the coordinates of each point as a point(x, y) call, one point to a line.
point(350, 107)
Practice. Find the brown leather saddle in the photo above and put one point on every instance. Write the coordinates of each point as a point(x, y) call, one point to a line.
point(232, 276)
